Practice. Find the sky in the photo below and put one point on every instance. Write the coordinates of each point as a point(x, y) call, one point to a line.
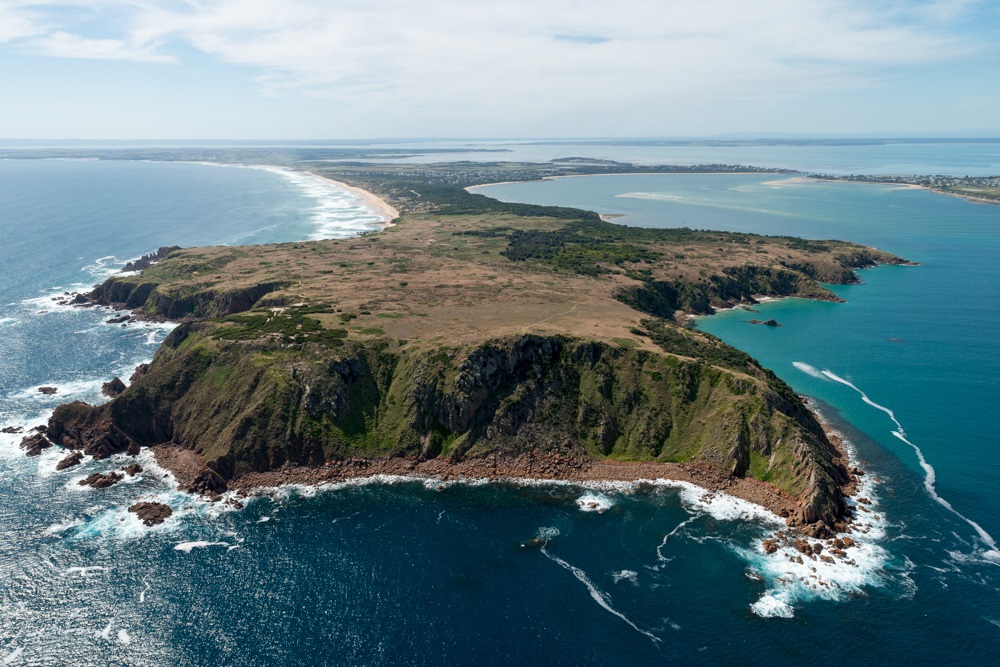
point(329, 69)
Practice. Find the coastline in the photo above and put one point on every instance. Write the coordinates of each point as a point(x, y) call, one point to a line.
point(186, 465)
point(898, 186)
point(626, 173)
point(388, 213)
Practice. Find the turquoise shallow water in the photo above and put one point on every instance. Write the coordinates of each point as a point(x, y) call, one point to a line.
point(419, 573)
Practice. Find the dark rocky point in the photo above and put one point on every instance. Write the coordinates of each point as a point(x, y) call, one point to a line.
point(113, 388)
point(34, 444)
point(151, 513)
point(70, 461)
point(766, 323)
point(48, 391)
point(151, 258)
point(102, 481)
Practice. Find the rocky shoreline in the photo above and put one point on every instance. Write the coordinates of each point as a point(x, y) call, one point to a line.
point(189, 469)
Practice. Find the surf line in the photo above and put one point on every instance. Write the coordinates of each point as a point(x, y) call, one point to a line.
point(930, 475)
point(598, 596)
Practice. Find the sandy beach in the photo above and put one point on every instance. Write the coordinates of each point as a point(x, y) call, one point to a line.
point(387, 212)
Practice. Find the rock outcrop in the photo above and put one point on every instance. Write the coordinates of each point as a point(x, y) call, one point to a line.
point(149, 259)
point(151, 513)
point(102, 480)
point(113, 388)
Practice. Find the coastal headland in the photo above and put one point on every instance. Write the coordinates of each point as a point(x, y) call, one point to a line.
point(473, 338)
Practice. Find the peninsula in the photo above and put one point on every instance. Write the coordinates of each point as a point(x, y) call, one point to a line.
point(473, 338)
point(983, 189)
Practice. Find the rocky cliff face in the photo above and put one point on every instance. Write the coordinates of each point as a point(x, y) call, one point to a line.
point(257, 406)
point(195, 304)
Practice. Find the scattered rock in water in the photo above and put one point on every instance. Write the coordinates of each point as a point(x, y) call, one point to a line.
point(102, 481)
point(766, 323)
point(12, 429)
point(34, 444)
point(133, 470)
point(151, 513)
point(770, 546)
point(72, 460)
point(48, 391)
point(113, 388)
point(118, 320)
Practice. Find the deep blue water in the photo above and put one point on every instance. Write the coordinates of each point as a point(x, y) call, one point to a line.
point(398, 572)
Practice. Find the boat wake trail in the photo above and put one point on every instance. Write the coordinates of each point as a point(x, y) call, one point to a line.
point(991, 554)
point(600, 597)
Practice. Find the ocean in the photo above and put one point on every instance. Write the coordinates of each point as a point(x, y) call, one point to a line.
point(394, 571)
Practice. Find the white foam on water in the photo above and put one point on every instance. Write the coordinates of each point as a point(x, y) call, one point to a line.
point(666, 538)
point(84, 571)
point(263, 519)
point(124, 637)
point(106, 632)
point(864, 397)
point(990, 554)
point(598, 595)
point(142, 593)
point(867, 564)
point(13, 656)
point(338, 212)
point(66, 391)
point(186, 547)
point(8, 321)
point(103, 267)
point(594, 502)
point(630, 576)
point(771, 607)
point(721, 506)
point(809, 370)
point(62, 527)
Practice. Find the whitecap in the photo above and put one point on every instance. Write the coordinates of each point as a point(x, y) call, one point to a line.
point(12, 656)
point(186, 547)
point(594, 502)
point(57, 528)
point(8, 321)
point(105, 633)
point(630, 576)
point(83, 571)
point(770, 606)
point(124, 637)
point(809, 370)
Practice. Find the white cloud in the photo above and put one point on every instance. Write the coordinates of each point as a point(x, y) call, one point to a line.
point(524, 58)
point(66, 45)
point(17, 21)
